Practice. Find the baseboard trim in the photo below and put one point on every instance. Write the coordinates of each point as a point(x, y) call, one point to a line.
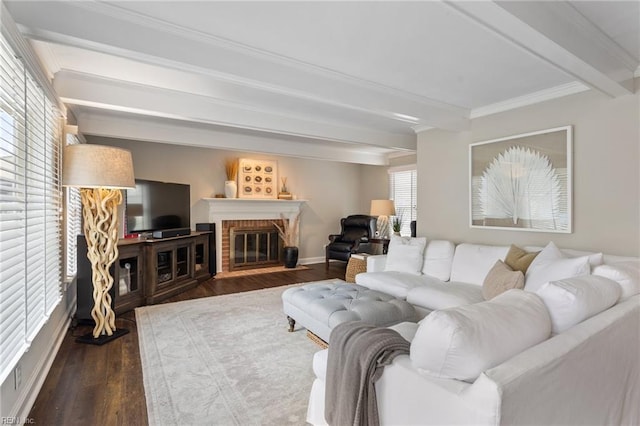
point(31, 387)
point(311, 260)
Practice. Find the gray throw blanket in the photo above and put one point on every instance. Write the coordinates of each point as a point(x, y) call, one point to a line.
point(358, 353)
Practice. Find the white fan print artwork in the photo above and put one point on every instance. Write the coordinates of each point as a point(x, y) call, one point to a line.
point(521, 184)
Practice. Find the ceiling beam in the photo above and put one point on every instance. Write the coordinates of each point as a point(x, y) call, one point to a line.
point(89, 25)
point(520, 24)
point(131, 127)
point(89, 90)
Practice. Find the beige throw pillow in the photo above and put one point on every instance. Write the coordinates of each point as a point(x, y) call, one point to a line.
point(500, 279)
point(519, 259)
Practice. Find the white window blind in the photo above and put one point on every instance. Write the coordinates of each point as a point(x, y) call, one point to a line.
point(73, 221)
point(30, 202)
point(403, 191)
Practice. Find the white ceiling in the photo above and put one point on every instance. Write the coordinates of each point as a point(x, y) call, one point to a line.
point(346, 81)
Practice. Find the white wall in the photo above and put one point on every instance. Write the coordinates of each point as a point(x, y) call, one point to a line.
point(333, 189)
point(606, 178)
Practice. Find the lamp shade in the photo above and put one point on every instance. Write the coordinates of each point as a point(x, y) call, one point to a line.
point(97, 166)
point(382, 208)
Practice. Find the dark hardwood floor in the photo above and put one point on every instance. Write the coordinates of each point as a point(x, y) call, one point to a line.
point(102, 385)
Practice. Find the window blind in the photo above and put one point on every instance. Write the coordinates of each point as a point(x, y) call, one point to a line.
point(403, 191)
point(73, 221)
point(30, 205)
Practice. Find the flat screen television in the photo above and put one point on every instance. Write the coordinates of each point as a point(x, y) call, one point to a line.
point(153, 206)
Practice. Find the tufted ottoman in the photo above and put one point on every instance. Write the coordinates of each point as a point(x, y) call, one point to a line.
point(319, 306)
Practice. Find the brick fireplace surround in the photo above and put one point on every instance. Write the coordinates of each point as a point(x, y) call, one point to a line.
point(226, 212)
point(248, 224)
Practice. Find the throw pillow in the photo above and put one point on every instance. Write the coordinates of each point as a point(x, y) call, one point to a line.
point(405, 255)
point(551, 265)
point(500, 279)
point(626, 273)
point(572, 300)
point(519, 259)
point(460, 343)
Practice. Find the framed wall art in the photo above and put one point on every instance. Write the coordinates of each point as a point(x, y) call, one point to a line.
point(257, 179)
point(522, 182)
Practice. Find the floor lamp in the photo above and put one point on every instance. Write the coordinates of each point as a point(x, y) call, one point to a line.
point(100, 172)
point(383, 209)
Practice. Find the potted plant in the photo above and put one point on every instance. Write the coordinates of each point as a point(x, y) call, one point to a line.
point(289, 234)
point(230, 185)
point(396, 225)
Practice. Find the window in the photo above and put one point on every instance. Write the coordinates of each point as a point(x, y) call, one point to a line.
point(403, 191)
point(30, 206)
point(73, 222)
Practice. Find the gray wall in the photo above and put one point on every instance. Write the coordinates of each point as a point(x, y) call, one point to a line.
point(606, 180)
point(333, 189)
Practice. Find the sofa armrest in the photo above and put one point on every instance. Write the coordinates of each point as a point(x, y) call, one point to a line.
point(376, 263)
point(408, 396)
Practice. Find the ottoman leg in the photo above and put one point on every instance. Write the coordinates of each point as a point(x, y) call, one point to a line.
point(292, 323)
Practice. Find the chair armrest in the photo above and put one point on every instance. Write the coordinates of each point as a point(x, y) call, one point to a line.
point(356, 244)
point(334, 237)
point(376, 263)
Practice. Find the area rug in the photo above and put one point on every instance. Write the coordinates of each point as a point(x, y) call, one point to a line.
point(224, 360)
point(256, 271)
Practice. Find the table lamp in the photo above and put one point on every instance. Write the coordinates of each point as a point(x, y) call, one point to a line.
point(383, 209)
point(100, 172)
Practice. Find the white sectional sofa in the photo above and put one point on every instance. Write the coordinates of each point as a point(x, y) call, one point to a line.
point(566, 351)
point(451, 275)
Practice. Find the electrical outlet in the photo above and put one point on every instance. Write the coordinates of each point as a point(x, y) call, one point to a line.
point(17, 377)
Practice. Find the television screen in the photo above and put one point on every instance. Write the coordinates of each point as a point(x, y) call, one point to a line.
point(152, 206)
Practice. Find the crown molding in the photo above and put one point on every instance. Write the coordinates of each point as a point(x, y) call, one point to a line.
point(530, 99)
point(420, 129)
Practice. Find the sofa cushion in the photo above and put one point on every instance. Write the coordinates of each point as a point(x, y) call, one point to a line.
point(572, 300)
point(435, 294)
point(438, 256)
point(595, 259)
point(396, 284)
point(405, 255)
point(519, 259)
point(472, 262)
point(626, 273)
point(551, 265)
point(460, 343)
point(500, 279)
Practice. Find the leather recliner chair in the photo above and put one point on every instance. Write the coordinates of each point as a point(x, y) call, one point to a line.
point(353, 238)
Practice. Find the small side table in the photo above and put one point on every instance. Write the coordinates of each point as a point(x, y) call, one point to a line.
point(357, 264)
point(383, 241)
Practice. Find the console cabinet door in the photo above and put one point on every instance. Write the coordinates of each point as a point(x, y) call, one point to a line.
point(170, 268)
point(128, 278)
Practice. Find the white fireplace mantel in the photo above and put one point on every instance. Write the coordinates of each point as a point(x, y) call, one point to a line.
point(246, 209)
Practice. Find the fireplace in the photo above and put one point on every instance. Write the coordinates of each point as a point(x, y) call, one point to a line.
point(244, 213)
point(253, 247)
